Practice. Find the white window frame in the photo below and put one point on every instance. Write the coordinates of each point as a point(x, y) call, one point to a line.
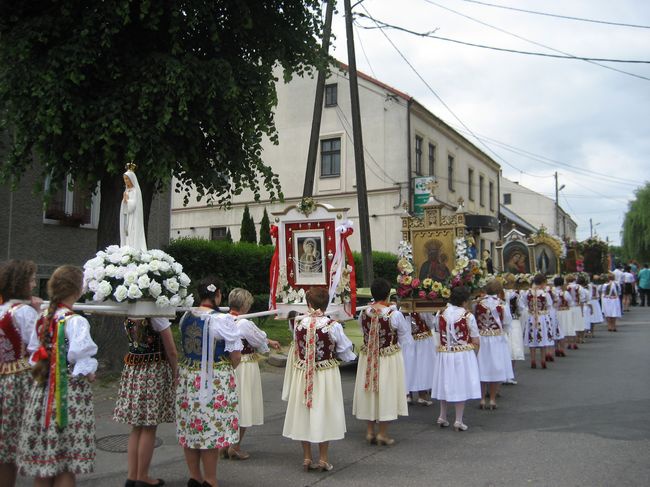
point(69, 203)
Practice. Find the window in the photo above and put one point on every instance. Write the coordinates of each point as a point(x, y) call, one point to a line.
point(418, 155)
point(450, 172)
point(470, 184)
point(218, 233)
point(491, 195)
point(432, 160)
point(507, 198)
point(330, 157)
point(331, 95)
point(481, 191)
point(71, 205)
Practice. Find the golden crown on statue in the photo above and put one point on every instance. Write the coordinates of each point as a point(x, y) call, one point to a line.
point(131, 166)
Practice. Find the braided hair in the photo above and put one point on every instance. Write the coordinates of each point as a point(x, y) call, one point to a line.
point(66, 281)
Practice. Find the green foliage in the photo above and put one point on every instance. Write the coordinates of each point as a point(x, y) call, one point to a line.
point(384, 265)
point(184, 89)
point(265, 230)
point(636, 226)
point(248, 233)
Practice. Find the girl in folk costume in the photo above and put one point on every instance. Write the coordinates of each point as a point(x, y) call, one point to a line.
point(611, 302)
point(456, 375)
point(539, 327)
point(595, 288)
point(291, 354)
point(562, 304)
point(57, 438)
point(146, 393)
point(515, 333)
point(206, 397)
point(315, 411)
point(379, 390)
point(493, 319)
point(576, 308)
point(18, 314)
point(249, 381)
point(419, 357)
point(557, 333)
point(584, 299)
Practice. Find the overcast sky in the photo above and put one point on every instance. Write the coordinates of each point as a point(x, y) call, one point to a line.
point(569, 111)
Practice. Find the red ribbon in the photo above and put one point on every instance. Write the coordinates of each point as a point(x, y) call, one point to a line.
point(274, 270)
point(349, 260)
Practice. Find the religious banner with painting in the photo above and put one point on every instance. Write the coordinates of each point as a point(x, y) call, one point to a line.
point(547, 250)
point(312, 250)
point(515, 252)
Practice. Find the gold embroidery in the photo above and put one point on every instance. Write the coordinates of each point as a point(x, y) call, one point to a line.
point(323, 364)
point(7, 368)
point(193, 340)
point(384, 352)
point(457, 348)
point(423, 335)
point(250, 357)
point(490, 333)
point(190, 364)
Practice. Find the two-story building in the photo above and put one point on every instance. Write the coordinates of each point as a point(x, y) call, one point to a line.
point(403, 140)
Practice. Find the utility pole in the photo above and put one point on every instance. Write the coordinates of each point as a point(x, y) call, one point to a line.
point(359, 163)
point(308, 188)
point(591, 228)
point(557, 207)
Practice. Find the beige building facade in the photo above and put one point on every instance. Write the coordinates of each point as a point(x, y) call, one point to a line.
point(402, 139)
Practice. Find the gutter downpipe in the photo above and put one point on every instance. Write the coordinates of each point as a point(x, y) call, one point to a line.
point(408, 156)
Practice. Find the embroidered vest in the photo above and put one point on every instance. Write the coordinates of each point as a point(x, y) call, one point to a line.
point(461, 329)
point(387, 335)
point(485, 319)
point(560, 299)
point(610, 291)
point(594, 292)
point(143, 339)
point(542, 306)
point(325, 347)
point(192, 329)
point(418, 325)
point(12, 347)
point(574, 292)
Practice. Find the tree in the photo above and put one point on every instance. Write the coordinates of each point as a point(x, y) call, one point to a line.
point(265, 230)
point(248, 233)
point(636, 226)
point(184, 90)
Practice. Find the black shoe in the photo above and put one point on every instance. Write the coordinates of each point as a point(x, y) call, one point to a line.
point(194, 483)
point(129, 483)
point(142, 483)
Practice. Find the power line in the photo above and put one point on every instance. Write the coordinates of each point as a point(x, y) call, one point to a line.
point(430, 35)
point(566, 17)
point(611, 68)
point(363, 50)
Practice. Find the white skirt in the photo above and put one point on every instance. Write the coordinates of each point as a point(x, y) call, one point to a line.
point(612, 307)
point(576, 319)
point(288, 371)
point(494, 363)
point(325, 420)
point(389, 401)
point(456, 377)
point(597, 313)
point(419, 360)
point(558, 334)
point(516, 340)
point(565, 321)
point(539, 335)
point(249, 387)
point(586, 318)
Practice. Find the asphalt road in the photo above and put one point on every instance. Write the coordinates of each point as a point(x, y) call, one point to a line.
point(585, 421)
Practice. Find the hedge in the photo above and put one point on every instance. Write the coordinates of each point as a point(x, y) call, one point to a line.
point(247, 265)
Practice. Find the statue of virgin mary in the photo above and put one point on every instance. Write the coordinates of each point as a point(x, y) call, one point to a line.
point(131, 220)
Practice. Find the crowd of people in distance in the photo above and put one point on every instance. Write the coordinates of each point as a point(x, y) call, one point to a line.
point(211, 388)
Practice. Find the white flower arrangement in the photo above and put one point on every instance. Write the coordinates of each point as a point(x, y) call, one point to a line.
point(124, 274)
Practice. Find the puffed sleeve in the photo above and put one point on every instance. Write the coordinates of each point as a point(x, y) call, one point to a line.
point(25, 318)
point(81, 347)
point(473, 327)
point(507, 317)
point(403, 328)
point(34, 344)
point(224, 327)
point(160, 324)
point(343, 343)
point(253, 335)
point(430, 320)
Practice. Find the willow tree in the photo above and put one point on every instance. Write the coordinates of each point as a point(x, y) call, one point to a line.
point(184, 89)
point(636, 226)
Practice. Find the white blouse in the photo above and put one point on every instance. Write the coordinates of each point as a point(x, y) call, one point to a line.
point(81, 347)
point(253, 335)
point(24, 317)
point(452, 314)
point(221, 327)
point(337, 335)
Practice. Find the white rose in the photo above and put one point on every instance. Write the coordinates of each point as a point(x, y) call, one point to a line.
point(92, 285)
point(94, 263)
point(89, 274)
point(110, 270)
point(184, 280)
point(144, 281)
point(162, 301)
point(145, 257)
point(157, 254)
point(134, 292)
point(125, 259)
point(130, 277)
point(143, 269)
point(101, 254)
point(189, 301)
point(171, 284)
point(155, 289)
point(120, 272)
point(175, 300)
point(100, 273)
point(112, 249)
point(178, 268)
point(104, 288)
point(183, 292)
point(154, 265)
point(165, 267)
point(121, 292)
point(98, 296)
point(115, 258)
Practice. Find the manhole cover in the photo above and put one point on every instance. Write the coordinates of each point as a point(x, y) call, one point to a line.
point(118, 443)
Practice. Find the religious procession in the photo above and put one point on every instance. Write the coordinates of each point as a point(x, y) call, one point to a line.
point(453, 334)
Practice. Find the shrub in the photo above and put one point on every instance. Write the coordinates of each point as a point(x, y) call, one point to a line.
point(247, 227)
point(384, 265)
point(265, 230)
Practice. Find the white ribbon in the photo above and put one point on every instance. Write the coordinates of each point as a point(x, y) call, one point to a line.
point(492, 303)
point(338, 262)
point(207, 360)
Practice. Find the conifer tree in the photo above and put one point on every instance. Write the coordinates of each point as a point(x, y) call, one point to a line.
point(248, 233)
point(265, 230)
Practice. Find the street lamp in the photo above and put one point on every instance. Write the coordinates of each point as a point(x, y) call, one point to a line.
point(557, 206)
point(592, 225)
